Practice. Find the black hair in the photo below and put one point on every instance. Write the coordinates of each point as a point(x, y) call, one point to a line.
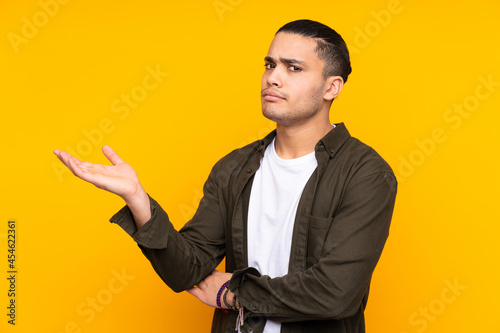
point(330, 46)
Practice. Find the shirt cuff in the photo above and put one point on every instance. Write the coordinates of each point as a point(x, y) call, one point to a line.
point(237, 280)
point(153, 234)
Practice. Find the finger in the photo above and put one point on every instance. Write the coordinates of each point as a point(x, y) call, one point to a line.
point(76, 159)
point(64, 156)
point(59, 155)
point(86, 166)
point(74, 167)
point(111, 155)
point(82, 170)
point(77, 167)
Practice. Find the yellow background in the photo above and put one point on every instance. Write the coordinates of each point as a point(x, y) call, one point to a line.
point(415, 63)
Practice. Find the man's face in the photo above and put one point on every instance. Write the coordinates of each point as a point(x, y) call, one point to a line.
point(293, 85)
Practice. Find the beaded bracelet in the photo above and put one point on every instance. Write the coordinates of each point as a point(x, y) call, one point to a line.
point(224, 299)
point(236, 303)
point(220, 293)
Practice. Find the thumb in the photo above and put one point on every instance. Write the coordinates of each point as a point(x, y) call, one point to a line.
point(111, 155)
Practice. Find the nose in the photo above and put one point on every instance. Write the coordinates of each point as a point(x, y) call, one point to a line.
point(274, 77)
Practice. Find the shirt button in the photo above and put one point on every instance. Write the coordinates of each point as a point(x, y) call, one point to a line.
point(250, 330)
point(254, 308)
point(249, 170)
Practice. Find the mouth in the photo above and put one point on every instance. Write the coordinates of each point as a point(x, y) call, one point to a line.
point(272, 96)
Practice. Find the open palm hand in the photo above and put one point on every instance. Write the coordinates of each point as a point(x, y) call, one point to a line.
point(119, 178)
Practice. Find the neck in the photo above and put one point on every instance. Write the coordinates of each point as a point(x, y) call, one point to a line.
point(300, 140)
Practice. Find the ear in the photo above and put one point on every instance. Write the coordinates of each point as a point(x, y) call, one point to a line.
point(333, 85)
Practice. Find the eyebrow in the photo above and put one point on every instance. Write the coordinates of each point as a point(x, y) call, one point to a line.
point(286, 61)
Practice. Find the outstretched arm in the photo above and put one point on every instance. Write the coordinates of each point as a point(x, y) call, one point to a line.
point(119, 178)
point(182, 259)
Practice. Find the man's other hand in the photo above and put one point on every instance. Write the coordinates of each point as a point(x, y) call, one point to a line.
point(206, 291)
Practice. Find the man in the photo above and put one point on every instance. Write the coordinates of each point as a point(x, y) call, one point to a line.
point(301, 216)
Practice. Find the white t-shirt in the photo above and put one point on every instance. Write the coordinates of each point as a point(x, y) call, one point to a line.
point(275, 195)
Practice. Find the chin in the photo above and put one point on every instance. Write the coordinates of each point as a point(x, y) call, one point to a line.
point(272, 115)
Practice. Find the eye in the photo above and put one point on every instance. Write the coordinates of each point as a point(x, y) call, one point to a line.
point(269, 66)
point(295, 68)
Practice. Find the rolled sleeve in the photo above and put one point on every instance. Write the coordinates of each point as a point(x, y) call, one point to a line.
point(153, 234)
